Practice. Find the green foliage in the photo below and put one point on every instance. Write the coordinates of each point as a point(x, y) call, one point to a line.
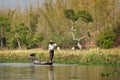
point(116, 29)
point(83, 15)
point(67, 42)
point(55, 37)
point(50, 17)
point(4, 21)
point(4, 28)
point(35, 40)
point(34, 17)
point(24, 35)
point(62, 40)
point(4, 25)
point(22, 32)
point(106, 39)
point(70, 14)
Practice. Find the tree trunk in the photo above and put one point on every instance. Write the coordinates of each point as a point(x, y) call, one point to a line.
point(79, 45)
point(1, 39)
point(1, 43)
point(18, 43)
point(76, 39)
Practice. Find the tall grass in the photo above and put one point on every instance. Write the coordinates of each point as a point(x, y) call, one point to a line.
point(92, 56)
point(17, 55)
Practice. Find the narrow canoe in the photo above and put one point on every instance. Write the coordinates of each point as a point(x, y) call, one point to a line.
point(43, 63)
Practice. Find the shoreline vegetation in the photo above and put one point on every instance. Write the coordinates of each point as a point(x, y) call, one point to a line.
point(94, 56)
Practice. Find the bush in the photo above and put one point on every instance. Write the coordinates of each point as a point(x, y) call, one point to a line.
point(67, 42)
point(55, 37)
point(62, 40)
point(116, 29)
point(106, 39)
point(25, 37)
point(33, 40)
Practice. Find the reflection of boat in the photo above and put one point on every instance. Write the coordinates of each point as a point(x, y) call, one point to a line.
point(37, 62)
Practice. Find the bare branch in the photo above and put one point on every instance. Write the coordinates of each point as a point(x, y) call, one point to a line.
point(81, 38)
point(74, 36)
point(72, 30)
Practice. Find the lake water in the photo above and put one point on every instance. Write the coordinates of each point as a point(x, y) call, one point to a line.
point(27, 71)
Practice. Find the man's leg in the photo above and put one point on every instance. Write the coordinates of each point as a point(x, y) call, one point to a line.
point(51, 55)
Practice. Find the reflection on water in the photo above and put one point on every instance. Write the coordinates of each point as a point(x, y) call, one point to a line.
point(51, 73)
point(21, 71)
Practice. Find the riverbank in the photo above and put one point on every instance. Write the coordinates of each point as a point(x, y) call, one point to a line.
point(91, 56)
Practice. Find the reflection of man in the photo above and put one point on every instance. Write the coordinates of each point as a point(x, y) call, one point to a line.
point(32, 72)
point(51, 73)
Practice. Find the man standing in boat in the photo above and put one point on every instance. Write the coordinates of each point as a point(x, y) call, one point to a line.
point(51, 48)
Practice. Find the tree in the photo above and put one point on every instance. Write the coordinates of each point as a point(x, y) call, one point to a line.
point(83, 15)
point(22, 37)
point(34, 17)
point(20, 33)
point(4, 25)
point(106, 38)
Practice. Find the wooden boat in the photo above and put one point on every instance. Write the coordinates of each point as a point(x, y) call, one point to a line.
point(43, 63)
point(36, 61)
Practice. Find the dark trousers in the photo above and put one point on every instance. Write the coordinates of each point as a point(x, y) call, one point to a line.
point(51, 55)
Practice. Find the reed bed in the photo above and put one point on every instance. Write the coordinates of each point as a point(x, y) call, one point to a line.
point(91, 56)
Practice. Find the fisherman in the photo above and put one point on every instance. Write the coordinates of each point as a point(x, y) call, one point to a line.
point(52, 45)
point(33, 58)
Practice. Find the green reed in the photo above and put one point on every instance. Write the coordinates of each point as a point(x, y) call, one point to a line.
point(64, 56)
